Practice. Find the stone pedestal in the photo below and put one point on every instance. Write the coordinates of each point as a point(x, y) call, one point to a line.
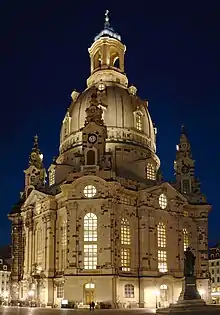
point(189, 290)
point(190, 301)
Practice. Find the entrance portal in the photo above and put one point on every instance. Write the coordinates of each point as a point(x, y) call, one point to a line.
point(89, 293)
point(164, 295)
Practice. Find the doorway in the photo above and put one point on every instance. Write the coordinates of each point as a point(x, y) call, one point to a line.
point(164, 296)
point(89, 293)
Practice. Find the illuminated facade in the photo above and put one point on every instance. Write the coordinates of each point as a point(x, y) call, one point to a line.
point(107, 227)
point(214, 269)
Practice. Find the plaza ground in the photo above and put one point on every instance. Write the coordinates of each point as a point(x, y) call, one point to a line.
point(47, 311)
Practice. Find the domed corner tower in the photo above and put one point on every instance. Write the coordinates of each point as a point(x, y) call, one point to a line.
point(131, 136)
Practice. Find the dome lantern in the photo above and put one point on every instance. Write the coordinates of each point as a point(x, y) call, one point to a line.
point(107, 57)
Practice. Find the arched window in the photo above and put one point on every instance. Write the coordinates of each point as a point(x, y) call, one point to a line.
point(150, 171)
point(125, 245)
point(161, 245)
point(125, 232)
point(63, 244)
point(90, 157)
point(185, 239)
point(129, 291)
point(90, 241)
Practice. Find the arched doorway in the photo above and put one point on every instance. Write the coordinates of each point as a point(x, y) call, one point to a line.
point(164, 295)
point(89, 293)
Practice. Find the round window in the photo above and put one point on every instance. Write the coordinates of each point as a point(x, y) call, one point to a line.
point(89, 191)
point(163, 201)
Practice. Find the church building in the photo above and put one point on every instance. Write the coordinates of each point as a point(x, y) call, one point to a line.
point(107, 227)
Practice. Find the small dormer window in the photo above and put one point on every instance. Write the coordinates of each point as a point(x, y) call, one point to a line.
point(150, 171)
point(1, 261)
point(4, 267)
point(138, 121)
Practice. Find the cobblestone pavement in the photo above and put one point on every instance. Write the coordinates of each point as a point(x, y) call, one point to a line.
point(47, 311)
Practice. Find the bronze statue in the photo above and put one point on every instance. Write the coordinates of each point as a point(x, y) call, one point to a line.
point(189, 263)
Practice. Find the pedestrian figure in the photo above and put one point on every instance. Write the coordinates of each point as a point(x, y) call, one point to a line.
point(90, 306)
point(93, 305)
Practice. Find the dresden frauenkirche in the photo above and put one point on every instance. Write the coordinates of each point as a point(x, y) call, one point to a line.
point(107, 227)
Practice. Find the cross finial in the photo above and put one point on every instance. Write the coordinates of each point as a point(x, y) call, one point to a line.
point(107, 24)
point(36, 141)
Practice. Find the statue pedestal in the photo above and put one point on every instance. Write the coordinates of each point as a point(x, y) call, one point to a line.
point(189, 290)
point(189, 301)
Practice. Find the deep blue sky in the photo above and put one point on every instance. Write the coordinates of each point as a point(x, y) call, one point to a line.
point(172, 57)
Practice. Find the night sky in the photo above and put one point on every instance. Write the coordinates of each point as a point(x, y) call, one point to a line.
point(173, 58)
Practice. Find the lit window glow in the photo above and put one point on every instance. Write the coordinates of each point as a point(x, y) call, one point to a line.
point(161, 244)
point(63, 245)
point(90, 241)
point(89, 191)
point(161, 235)
point(129, 291)
point(162, 260)
point(90, 228)
point(125, 232)
point(185, 239)
point(90, 256)
point(52, 177)
point(150, 171)
point(163, 201)
point(125, 259)
point(138, 117)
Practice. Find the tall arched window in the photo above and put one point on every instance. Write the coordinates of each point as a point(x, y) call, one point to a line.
point(39, 245)
point(161, 246)
point(63, 245)
point(125, 245)
point(150, 171)
point(90, 241)
point(125, 232)
point(185, 239)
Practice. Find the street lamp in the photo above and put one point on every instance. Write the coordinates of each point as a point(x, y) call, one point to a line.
point(156, 293)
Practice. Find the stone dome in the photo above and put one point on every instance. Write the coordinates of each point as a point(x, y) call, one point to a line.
point(125, 115)
point(119, 108)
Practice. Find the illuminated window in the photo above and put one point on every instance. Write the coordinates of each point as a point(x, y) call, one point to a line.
point(63, 245)
point(39, 245)
point(60, 291)
point(52, 177)
point(161, 245)
point(90, 241)
point(185, 213)
point(90, 256)
point(125, 232)
point(129, 291)
point(90, 285)
point(138, 120)
point(161, 235)
point(125, 259)
point(162, 260)
point(90, 228)
point(185, 239)
point(163, 201)
point(150, 171)
point(89, 191)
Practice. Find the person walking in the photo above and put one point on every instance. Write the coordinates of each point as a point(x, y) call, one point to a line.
point(93, 305)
